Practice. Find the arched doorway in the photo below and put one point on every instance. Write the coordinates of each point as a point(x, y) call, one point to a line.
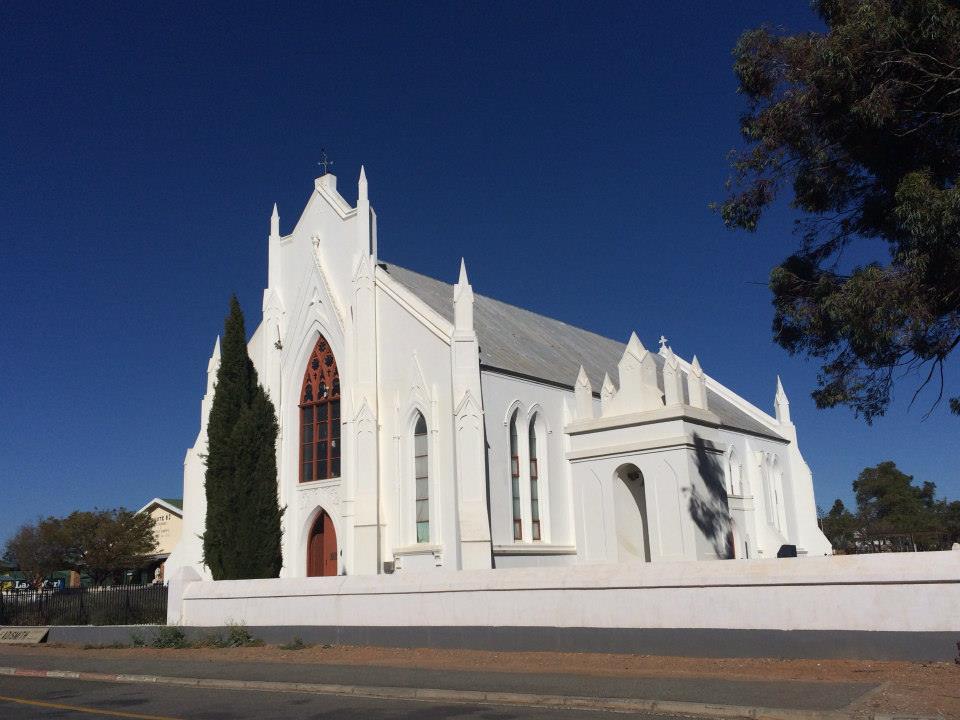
point(630, 513)
point(322, 547)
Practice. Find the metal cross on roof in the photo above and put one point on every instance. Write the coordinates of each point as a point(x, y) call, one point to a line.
point(663, 342)
point(325, 162)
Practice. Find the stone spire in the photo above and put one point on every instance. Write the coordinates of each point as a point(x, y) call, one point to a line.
point(213, 365)
point(607, 391)
point(697, 385)
point(583, 394)
point(463, 302)
point(275, 222)
point(638, 379)
point(672, 377)
point(366, 233)
point(781, 404)
point(362, 189)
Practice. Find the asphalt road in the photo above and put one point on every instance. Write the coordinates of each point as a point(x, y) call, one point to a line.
point(22, 698)
point(790, 694)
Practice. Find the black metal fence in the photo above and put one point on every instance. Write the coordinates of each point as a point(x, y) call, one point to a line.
point(121, 605)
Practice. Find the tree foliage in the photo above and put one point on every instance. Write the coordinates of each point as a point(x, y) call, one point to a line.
point(243, 524)
point(38, 549)
point(101, 543)
point(862, 124)
point(105, 543)
point(892, 512)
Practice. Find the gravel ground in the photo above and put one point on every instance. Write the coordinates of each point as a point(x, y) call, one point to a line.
point(905, 688)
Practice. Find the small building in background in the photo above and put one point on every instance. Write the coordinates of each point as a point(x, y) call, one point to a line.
point(167, 514)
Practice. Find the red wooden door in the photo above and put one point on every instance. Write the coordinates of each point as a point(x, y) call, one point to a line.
point(322, 548)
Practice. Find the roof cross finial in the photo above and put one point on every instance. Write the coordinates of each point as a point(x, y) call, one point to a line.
point(663, 342)
point(325, 162)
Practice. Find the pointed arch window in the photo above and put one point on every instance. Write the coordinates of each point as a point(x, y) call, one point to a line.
point(320, 415)
point(534, 481)
point(515, 478)
point(421, 471)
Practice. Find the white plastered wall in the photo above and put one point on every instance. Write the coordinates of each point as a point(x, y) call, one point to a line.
point(415, 377)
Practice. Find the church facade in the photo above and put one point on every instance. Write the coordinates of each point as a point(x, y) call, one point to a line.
point(424, 427)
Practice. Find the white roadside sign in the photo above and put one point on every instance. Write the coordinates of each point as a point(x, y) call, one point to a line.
point(22, 635)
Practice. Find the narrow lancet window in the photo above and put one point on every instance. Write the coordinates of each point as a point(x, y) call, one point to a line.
point(320, 416)
point(421, 465)
point(534, 476)
point(515, 479)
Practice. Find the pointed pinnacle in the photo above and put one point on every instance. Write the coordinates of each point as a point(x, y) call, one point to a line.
point(634, 346)
point(276, 213)
point(607, 383)
point(216, 348)
point(582, 379)
point(463, 273)
point(695, 366)
point(780, 391)
point(363, 175)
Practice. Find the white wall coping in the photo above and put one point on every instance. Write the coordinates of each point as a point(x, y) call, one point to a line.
point(880, 569)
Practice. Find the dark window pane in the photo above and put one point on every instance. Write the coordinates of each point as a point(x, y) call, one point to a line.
point(322, 468)
point(308, 393)
point(307, 453)
point(536, 530)
point(307, 471)
point(322, 431)
point(335, 410)
point(322, 413)
point(335, 467)
point(307, 416)
point(315, 363)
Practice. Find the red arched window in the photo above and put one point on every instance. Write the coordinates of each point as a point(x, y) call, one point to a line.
point(320, 416)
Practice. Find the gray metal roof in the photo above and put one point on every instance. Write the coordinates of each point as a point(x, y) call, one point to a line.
point(525, 343)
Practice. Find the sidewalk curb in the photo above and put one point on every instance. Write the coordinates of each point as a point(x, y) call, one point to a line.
point(560, 702)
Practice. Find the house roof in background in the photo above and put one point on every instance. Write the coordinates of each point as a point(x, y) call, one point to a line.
point(174, 505)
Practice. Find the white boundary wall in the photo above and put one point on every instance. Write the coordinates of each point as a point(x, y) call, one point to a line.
point(889, 592)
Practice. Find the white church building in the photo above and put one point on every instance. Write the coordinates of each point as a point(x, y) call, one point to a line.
point(425, 427)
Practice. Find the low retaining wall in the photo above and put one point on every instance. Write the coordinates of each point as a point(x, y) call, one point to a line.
point(908, 603)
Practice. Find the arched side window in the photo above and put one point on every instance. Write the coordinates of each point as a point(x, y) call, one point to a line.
point(534, 480)
point(734, 473)
point(421, 471)
point(515, 478)
point(320, 416)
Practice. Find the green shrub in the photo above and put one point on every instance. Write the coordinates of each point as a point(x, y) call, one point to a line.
point(170, 636)
point(296, 644)
point(239, 636)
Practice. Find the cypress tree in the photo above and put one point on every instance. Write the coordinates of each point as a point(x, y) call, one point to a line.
point(243, 531)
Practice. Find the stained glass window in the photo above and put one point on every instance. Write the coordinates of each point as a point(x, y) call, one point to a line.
point(320, 416)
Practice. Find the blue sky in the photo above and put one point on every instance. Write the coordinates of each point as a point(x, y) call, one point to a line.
point(568, 151)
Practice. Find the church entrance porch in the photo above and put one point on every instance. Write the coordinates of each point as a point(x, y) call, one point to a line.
point(322, 547)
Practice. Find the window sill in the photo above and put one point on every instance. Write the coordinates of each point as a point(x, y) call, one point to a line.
point(418, 549)
point(319, 483)
point(534, 548)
